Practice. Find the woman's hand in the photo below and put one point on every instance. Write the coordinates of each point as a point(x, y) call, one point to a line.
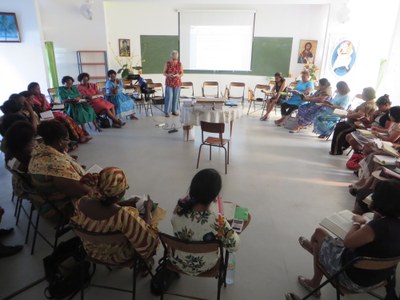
point(359, 219)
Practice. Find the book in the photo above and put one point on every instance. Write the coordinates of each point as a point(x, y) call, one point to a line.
point(366, 133)
point(338, 223)
point(241, 213)
point(94, 169)
point(46, 115)
point(58, 107)
point(388, 148)
point(340, 112)
point(388, 173)
point(228, 209)
point(385, 160)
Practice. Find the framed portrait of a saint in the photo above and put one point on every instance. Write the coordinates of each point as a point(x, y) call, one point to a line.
point(307, 51)
point(124, 47)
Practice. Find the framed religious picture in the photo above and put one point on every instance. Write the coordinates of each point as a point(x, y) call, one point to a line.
point(343, 57)
point(307, 50)
point(124, 47)
point(9, 32)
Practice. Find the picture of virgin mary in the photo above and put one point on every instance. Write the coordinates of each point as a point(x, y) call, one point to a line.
point(343, 58)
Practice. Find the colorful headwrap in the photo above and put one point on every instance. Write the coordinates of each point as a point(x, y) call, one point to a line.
point(112, 182)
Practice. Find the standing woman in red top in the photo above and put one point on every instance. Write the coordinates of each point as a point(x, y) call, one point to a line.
point(173, 72)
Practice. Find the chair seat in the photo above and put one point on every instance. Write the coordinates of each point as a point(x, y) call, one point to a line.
point(213, 272)
point(215, 141)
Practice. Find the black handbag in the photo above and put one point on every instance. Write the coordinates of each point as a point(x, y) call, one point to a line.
point(163, 279)
point(103, 122)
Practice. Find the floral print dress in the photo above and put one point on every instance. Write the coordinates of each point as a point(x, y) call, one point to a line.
point(201, 226)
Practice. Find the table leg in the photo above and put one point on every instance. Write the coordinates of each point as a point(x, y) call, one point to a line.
point(186, 129)
point(230, 129)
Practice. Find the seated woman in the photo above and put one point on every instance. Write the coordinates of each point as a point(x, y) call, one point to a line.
point(377, 238)
point(124, 105)
point(307, 112)
point(41, 104)
point(363, 111)
point(280, 86)
point(193, 221)
point(104, 212)
point(81, 112)
point(324, 121)
point(303, 87)
point(54, 173)
point(17, 104)
point(380, 123)
point(95, 99)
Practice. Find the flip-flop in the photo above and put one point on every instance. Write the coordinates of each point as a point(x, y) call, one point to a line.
point(303, 241)
point(302, 282)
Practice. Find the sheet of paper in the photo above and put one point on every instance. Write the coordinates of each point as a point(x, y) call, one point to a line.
point(46, 115)
point(94, 169)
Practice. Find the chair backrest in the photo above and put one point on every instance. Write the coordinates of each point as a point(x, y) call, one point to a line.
point(149, 80)
point(102, 86)
point(158, 88)
point(210, 89)
point(171, 244)
point(236, 90)
point(53, 94)
point(97, 238)
point(292, 85)
point(212, 127)
point(258, 94)
point(373, 263)
point(187, 86)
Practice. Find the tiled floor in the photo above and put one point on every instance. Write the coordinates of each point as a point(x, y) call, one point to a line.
point(288, 181)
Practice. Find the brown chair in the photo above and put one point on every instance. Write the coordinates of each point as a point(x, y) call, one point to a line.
point(220, 142)
point(157, 98)
point(210, 89)
point(258, 96)
point(110, 238)
point(187, 89)
point(364, 263)
point(236, 90)
point(172, 244)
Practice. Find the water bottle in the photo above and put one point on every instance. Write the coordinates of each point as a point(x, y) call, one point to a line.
point(230, 271)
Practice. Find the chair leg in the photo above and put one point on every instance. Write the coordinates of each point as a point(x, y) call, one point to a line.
point(29, 224)
point(248, 110)
point(35, 228)
point(226, 161)
point(12, 197)
point(198, 156)
point(210, 152)
point(228, 152)
point(135, 265)
point(19, 205)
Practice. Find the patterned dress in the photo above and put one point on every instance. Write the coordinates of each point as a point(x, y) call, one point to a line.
point(324, 121)
point(99, 104)
point(124, 105)
point(307, 112)
point(201, 226)
point(81, 112)
point(47, 163)
point(141, 237)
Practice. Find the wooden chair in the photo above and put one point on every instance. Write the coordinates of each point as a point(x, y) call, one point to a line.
point(258, 96)
point(111, 238)
point(236, 90)
point(172, 244)
point(210, 89)
point(187, 89)
point(220, 142)
point(157, 98)
point(364, 263)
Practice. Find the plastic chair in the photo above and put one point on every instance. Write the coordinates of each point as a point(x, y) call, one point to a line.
point(172, 244)
point(364, 263)
point(53, 94)
point(98, 238)
point(210, 89)
point(220, 142)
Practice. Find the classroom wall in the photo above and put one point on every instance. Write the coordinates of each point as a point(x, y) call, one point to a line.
point(21, 63)
point(297, 21)
point(69, 30)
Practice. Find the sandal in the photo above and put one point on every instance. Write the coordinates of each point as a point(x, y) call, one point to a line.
point(304, 284)
point(305, 244)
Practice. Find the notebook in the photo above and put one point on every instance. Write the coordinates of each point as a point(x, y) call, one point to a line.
point(46, 115)
point(340, 112)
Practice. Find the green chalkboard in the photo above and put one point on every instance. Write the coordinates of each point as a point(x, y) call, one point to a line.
point(155, 51)
point(270, 55)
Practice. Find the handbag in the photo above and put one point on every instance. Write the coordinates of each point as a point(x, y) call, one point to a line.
point(290, 122)
point(163, 279)
point(103, 122)
point(354, 162)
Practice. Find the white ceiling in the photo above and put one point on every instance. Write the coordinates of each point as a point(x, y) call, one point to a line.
point(235, 1)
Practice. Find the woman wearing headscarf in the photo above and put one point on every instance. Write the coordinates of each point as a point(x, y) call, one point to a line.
point(104, 212)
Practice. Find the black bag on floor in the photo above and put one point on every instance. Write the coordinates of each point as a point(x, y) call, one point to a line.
point(66, 270)
point(162, 280)
point(103, 122)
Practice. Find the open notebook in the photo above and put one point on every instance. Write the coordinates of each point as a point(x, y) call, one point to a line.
point(339, 223)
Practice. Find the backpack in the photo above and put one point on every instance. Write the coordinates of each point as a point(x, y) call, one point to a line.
point(66, 270)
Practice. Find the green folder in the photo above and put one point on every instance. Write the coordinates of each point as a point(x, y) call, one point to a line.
point(242, 213)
